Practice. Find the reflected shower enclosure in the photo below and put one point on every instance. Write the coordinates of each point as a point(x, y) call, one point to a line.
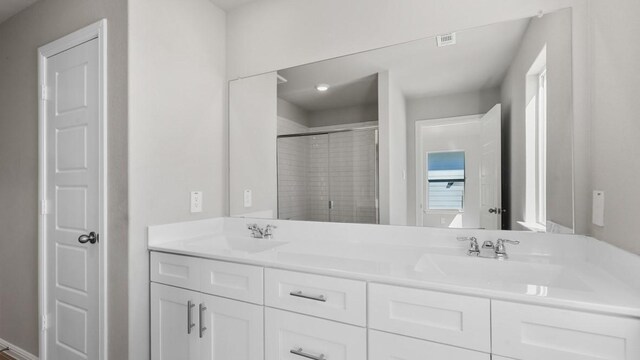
point(329, 176)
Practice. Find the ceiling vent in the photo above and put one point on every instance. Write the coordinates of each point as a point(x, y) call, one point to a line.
point(446, 39)
point(281, 79)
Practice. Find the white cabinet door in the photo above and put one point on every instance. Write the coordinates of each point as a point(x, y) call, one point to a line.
point(290, 336)
point(385, 346)
point(230, 330)
point(174, 332)
point(450, 319)
point(531, 332)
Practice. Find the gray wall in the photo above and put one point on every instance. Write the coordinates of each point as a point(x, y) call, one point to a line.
point(615, 140)
point(20, 37)
point(293, 112)
point(392, 151)
point(345, 115)
point(439, 107)
point(253, 128)
point(177, 133)
point(445, 106)
point(554, 31)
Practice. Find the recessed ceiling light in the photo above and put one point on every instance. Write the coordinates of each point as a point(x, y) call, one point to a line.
point(322, 87)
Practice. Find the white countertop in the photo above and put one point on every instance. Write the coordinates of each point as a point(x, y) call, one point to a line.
point(538, 277)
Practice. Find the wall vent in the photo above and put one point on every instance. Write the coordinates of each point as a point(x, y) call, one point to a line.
point(446, 39)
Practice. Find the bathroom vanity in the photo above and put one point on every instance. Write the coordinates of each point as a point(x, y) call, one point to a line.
point(345, 291)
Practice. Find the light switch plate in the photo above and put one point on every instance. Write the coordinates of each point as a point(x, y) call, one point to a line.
point(598, 208)
point(248, 201)
point(196, 201)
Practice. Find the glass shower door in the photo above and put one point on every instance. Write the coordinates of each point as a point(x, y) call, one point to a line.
point(328, 177)
point(353, 176)
point(303, 177)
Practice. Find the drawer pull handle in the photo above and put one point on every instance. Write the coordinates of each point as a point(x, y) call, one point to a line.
point(301, 352)
point(201, 315)
point(310, 297)
point(190, 324)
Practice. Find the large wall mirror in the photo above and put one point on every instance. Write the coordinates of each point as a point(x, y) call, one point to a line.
point(471, 129)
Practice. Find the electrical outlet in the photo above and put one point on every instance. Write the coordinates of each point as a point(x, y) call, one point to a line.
point(598, 208)
point(196, 201)
point(248, 201)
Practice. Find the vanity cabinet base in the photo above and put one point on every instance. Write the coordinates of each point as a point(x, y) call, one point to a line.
point(189, 325)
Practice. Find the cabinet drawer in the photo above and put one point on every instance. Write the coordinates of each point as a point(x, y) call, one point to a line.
point(385, 346)
point(327, 297)
point(176, 270)
point(462, 321)
point(536, 332)
point(290, 336)
point(235, 281)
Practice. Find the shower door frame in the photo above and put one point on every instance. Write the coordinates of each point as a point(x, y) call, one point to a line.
point(327, 132)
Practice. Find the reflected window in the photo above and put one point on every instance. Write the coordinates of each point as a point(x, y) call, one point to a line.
point(536, 144)
point(446, 181)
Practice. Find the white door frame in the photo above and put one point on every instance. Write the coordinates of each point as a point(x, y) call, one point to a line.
point(419, 151)
point(97, 31)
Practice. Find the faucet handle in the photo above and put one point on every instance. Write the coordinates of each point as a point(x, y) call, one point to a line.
point(268, 231)
point(256, 231)
point(501, 250)
point(502, 241)
point(466, 238)
point(474, 248)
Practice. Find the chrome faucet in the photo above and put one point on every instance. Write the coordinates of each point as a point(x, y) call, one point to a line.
point(474, 249)
point(268, 232)
point(260, 233)
point(500, 251)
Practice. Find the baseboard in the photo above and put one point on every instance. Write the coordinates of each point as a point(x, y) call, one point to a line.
point(16, 352)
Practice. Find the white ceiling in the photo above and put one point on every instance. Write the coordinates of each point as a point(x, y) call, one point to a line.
point(227, 4)
point(8, 8)
point(479, 61)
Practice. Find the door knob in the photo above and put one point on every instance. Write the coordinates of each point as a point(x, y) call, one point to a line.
point(91, 238)
point(497, 211)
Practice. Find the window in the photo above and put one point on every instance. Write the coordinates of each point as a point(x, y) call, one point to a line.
point(541, 150)
point(445, 176)
point(536, 145)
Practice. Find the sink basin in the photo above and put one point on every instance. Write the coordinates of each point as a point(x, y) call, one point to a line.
point(232, 243)
point(496, 271)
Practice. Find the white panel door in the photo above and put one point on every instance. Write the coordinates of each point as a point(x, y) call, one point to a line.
point(491, 170)
point(230, 329)
point(174, 323)
point(72, 193)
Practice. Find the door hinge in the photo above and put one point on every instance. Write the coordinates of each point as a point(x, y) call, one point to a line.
point(43, 323)
point(44, 92)
point(43, 207)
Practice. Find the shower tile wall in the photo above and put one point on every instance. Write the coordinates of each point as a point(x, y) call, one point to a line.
point(304, 179)
point(292, 169)
point(292, 182)
point(352, 176)
point(318, 178)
